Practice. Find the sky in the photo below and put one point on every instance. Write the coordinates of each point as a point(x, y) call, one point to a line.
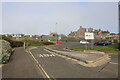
point(41, 17)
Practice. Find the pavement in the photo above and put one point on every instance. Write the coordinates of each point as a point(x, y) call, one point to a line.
point(20, 65)
point(86, 59)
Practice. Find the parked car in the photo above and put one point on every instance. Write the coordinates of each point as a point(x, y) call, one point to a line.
point(103, 43)
point(96, 42)
point(84, 42)
point(58, 42)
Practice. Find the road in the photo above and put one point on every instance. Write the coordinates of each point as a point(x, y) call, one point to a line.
point(72, 44)
point(58, 67)
point(47, 65)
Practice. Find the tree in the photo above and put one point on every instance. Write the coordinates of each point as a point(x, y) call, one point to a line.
point(7, 39)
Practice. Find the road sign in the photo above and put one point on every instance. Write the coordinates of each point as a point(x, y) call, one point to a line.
point(89, 35)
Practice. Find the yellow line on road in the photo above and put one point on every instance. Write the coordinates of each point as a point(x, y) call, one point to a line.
point(47, 76)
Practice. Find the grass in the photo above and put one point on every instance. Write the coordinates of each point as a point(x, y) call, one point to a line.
point(108, 48)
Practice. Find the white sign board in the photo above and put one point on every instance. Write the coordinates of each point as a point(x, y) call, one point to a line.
point(89, 35)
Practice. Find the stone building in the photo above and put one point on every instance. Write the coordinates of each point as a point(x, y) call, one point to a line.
point(81, 32)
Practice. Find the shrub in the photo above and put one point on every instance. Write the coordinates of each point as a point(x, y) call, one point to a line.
point(17, 43)
point(47, 43)
point(30, 42)
point(27, 41)
point(5, 51)
point(3, 37)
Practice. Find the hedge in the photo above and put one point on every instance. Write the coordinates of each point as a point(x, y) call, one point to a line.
point(17, 43)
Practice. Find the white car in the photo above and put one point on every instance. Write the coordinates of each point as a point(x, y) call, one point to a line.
point(84, 42)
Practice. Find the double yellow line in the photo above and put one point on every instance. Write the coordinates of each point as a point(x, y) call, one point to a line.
point(39, 65)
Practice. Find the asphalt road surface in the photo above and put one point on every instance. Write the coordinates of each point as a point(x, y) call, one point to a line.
point(58, 67)
point(72, 44)
point(47, 65)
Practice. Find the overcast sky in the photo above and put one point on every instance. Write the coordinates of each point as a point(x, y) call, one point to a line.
point(41, 17)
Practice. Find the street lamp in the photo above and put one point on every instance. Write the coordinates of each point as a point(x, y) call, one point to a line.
point(56, 32)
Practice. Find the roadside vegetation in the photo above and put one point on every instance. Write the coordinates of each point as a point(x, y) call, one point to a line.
point(5, 51)
point(108, 48)
point(7, 46)
point(30, 42)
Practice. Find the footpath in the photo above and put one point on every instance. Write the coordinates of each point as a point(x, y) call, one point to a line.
point(20, 65)
point(87, 59)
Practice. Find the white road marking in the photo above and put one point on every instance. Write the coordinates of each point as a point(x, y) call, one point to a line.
point(40, 55)
point(46, 55)
point(53, 55)
point(40, 67)
point(113, 63)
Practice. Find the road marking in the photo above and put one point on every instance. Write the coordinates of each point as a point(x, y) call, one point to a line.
point(40, 55)
point(46, 55)
point(53, 55)
point(113, 63)
point(40, 71)
point(40, 67)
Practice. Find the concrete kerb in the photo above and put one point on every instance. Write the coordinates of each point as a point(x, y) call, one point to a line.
point(82, 62)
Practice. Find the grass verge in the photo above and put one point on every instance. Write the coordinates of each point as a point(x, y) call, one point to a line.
point(108, 48)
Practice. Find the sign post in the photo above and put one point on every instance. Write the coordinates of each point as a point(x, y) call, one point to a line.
point(89, 36)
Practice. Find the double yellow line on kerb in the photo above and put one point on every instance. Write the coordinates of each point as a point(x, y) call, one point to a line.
point(39, 65)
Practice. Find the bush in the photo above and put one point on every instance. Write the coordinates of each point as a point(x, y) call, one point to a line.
point(5, 51)
point(30, 42)
point(47, 43)
point(3, 37)
point(17, 43)
point(27, 41)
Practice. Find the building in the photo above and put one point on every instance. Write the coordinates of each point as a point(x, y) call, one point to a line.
point(81, 32)
point(17, 36)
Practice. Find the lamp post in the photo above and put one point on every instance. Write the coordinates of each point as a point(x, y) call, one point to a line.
point(56, 32)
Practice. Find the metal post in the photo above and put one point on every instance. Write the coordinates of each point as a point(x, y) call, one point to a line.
point(92, 43)
point(86, 44)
